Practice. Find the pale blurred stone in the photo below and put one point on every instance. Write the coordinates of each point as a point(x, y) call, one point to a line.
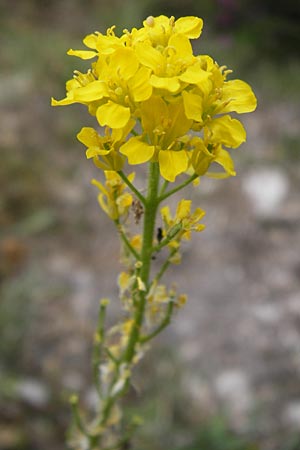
point(234, 390)
point(291, 415)
point(267, 313)
point(33, 392)
point(266, 189)
point(199, 394)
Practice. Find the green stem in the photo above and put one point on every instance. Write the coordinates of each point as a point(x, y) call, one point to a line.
point(146, 256)
point(76, 415)
point(98, 343)
point(164, 187)
point(126, 241)
point(150, 205)
point(165, 322)
point(165, 265)
point(177, 188)
point(132, 187)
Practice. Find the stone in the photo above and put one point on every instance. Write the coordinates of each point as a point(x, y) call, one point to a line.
point(266, 189)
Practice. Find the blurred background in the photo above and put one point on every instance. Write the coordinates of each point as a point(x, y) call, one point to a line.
point(226, 374)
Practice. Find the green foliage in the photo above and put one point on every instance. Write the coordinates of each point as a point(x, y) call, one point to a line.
point(215, 435)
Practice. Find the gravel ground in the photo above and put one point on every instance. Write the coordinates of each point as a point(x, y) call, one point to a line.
point(238, 338)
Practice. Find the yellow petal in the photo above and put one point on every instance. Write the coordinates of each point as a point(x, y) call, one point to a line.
point(68, 100)
point(201, 159)
point(124, 201)
point(113, 115)
point(192, 106)
point(194, 75)
point(137, 151)
point(148, 56)
point(179, 123)
point(190, 26)
point(141, 284)
point(95, 90)
point(153, 111)
point(124, 280)
point(140, 86)
point(91, 152)
point(182, 45)
point(131, 177)
point(136, 241)
point(108, 207)
point(224, 159)
point(230, 132)
point(91, 41)
point(165, 214)
point(112, 178)
point(183, 209)
point(99, 186)
point(172, 163)
point(83, 54)
point(124, 62)
point(238, 96)
point(198, 214)
point(119, 134)
point(171, 84)
point(88, 136)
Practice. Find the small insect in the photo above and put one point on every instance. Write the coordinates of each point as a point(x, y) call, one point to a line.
point(159, 237)
point(159, 234)
point(138, 210)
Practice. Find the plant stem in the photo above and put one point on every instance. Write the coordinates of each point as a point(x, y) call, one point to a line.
point(177, 188)
point(164, 187)
point(132, 187)
point(150, 206)
point(97, 350)
point(146, 256)
point(165, 322)
point(126, 241)
point(165, 265)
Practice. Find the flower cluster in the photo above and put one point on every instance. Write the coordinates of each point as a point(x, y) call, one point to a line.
point(112, 198)
point(156, 101)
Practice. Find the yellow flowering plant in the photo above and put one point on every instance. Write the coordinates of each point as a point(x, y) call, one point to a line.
point(154, 103)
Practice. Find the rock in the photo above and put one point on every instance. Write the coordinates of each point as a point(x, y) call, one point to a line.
point(200, 396)
point(33, 392)
point(234, 391)
point(266, 189)
point(291, 415)
point(267, 313)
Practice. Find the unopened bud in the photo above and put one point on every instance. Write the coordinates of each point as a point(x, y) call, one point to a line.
point(150, 21)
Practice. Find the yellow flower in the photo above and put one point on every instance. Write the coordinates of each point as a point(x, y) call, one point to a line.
point(204, 151)
point(114, 202)
point(148, 90)
point(180, 226)
point(162, 124)
point(112, 89)
point(159, 29)
point(104, 149)
point(99, 43)
point(214, 95)
point(181, 300)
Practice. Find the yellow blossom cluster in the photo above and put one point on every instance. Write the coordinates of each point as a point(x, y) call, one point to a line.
point(178, 228)
point(156, 101)
point(112, 198)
